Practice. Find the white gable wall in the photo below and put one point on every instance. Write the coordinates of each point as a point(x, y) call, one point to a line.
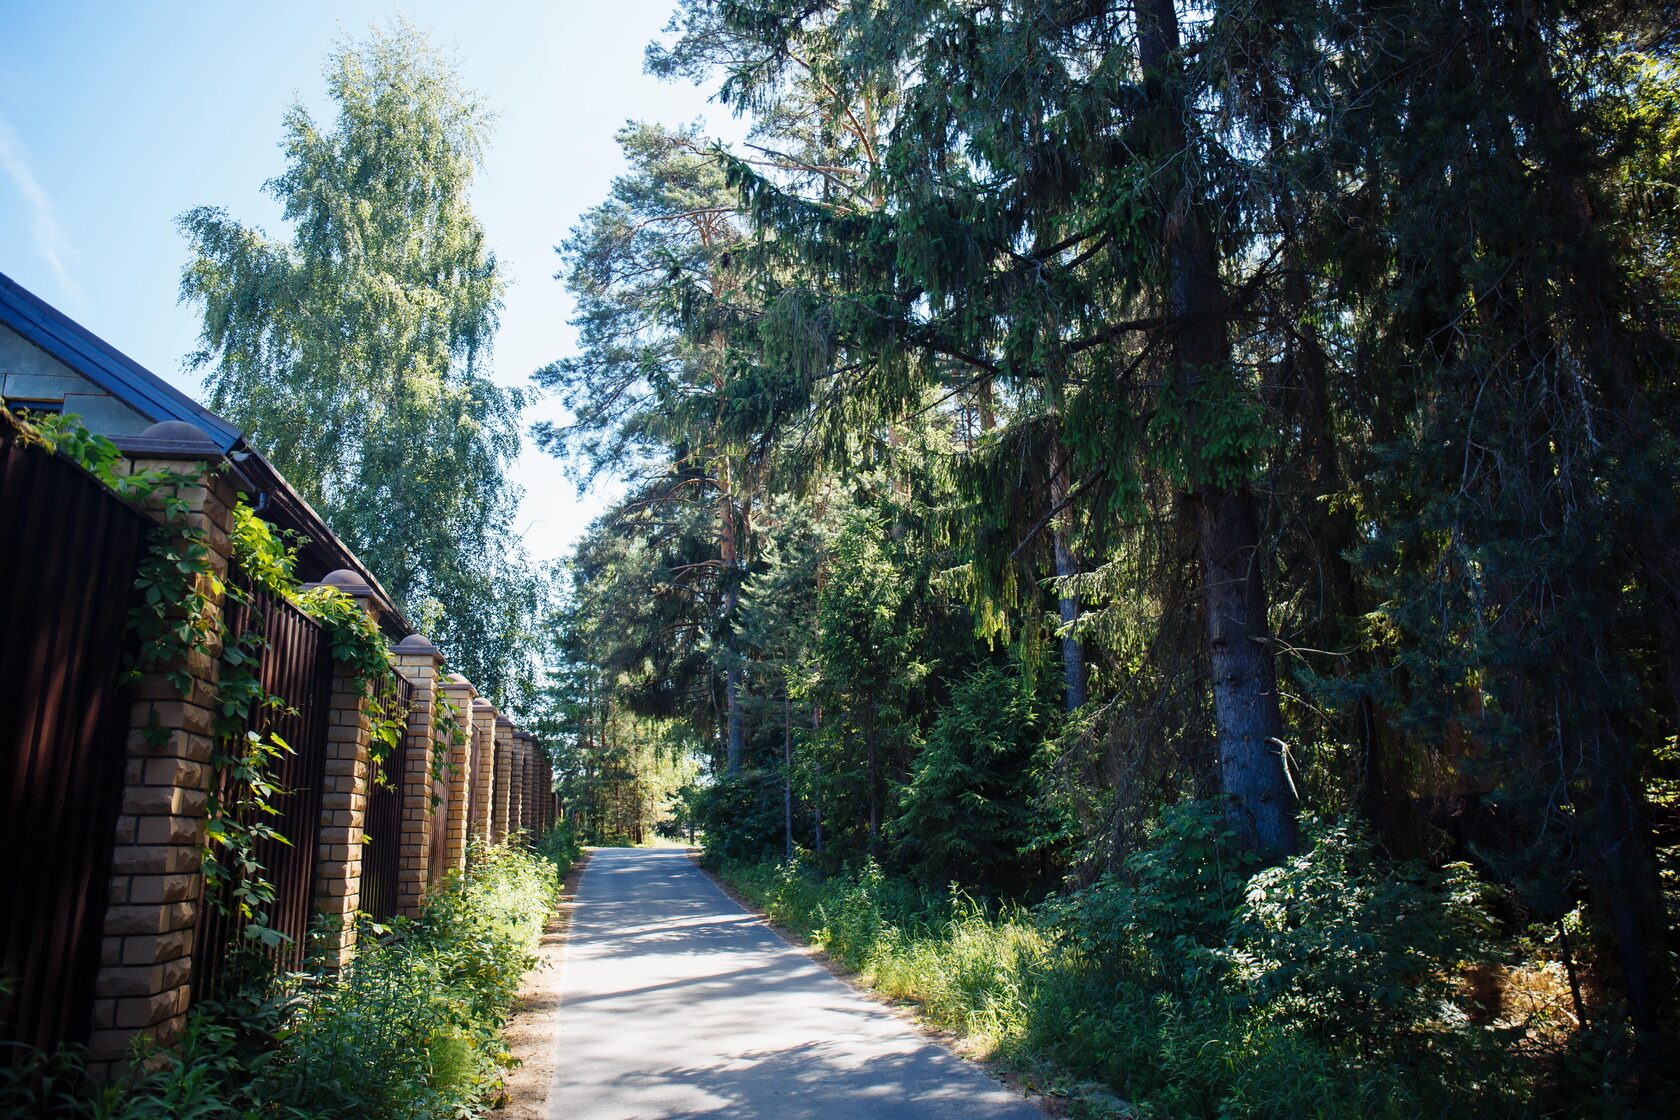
point(28, 373)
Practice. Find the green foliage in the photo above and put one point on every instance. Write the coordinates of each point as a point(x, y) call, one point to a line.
point(1177, 899)
point(65, 434)
point(1196, 985)
point(358, 643)
point(739, 816)
point(559, 846)
point(354, 354)
point(1316, 938)
point(971, 810)
point(242, 789)
point(175, 585)
point(410, 1030)
point(1307, 368)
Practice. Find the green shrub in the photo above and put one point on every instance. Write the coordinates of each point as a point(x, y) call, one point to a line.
point(739, 816)
point(559, 846)
point(1195, 984)
point(410, 1030)
point(972, 804)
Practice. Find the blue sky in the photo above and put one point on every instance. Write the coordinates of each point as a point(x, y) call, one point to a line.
point(115, 118)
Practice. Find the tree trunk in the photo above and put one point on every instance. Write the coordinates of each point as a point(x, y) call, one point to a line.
point(787, 774)
point(735, 735)
point(816, 785)
point(1073, 649)
point(874, 782)
point(735, 747)
point(1258, 794)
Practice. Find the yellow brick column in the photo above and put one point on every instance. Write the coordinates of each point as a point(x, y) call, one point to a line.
point(547, 786)
point(516, 794)
point(484, 770)
point(145, 973)
point(418, 660)
point(504, 780)
point(533, 788)
point(338, 861)
point(533, 799)
point(460, 692)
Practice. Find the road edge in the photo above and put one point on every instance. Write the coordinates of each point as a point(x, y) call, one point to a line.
point(532, 1033)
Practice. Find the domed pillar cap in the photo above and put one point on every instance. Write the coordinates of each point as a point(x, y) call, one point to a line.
point(417, 645)
point(170, 439)
point(349, 582)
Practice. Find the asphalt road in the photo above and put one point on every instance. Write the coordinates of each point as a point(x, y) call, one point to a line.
point(676, 1002)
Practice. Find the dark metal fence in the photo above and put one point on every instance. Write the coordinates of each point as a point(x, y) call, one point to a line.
point(68, 551)
point(382, 852)
point(295, 665)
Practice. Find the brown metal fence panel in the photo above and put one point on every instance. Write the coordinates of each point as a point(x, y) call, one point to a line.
point(68, 551)
point(382, 851)
point(295, 665)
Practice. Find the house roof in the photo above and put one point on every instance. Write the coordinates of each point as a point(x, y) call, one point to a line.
point(154, 398)
point(104, 365)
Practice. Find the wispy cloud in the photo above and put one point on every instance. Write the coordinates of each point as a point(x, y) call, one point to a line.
point(50, 239)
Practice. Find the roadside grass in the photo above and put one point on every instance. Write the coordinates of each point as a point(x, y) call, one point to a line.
point(1191, 998)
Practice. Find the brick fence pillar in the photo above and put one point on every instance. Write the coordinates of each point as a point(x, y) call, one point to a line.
point(533, 788)
point(145, 973)
point(504, 780)
point(516, 792)
point(338, 860)
point(545, 787)
point(527, 787)
point(484, 770)
point(550, 816)
point(458, 776)
point(418, 660)
point(539, 793)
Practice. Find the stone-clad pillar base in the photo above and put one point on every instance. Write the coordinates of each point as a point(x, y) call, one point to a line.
point(458, 775)
point(338, 860)
point(503, 800)
point(418, 660)
point(144, 983)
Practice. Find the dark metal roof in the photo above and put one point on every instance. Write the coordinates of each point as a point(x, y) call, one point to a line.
point(157, 400)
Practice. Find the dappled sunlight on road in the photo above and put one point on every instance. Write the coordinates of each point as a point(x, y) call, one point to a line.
point(678, 1003)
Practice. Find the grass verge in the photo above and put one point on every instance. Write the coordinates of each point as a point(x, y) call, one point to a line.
point(1330, 986)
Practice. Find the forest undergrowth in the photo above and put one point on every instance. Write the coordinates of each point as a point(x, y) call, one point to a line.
point(1200, 984)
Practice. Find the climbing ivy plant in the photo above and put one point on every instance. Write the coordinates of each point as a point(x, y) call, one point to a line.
point(175, 622)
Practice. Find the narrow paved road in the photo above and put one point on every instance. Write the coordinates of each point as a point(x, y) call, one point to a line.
point(678, 1003)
